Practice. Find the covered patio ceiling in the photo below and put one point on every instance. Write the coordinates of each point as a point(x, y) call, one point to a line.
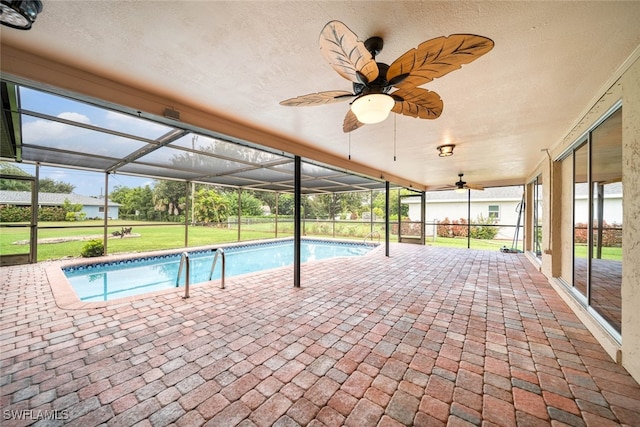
point(57, 131)
point(226, 65)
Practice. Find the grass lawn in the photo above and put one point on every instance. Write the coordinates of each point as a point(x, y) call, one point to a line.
point(149, 236)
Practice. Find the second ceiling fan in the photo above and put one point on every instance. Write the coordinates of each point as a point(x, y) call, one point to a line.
point(462, 185)
point(373, 81)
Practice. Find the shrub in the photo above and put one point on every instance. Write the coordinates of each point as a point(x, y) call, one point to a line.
point(459, 228)
point(93, 248)
point(455, 228)
point(611, 234)
point(10, 213)
point(51, 213)
point(485, 228)
point(75, 216)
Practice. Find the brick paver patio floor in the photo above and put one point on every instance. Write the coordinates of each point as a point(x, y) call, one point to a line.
point(427, 337)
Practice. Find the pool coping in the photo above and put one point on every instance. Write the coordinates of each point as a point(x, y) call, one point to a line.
point(67, 299)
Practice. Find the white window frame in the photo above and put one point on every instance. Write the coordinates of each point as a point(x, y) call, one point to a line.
point(497, 216)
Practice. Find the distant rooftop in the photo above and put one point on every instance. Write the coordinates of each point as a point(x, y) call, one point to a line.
point(50, 199)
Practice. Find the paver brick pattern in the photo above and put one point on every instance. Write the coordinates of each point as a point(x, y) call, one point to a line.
point(426, 337)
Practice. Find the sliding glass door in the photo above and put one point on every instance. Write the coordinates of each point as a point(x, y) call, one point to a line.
point(597, 214)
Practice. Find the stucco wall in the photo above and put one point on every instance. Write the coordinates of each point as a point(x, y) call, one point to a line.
point(631, 212)
point(566, 221)
point(94, 212)
point(558, 216)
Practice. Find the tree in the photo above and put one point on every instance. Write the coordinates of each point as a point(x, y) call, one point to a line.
point(13, 184)
point(350, 202)
point(169, 197)
point(250, 205)
point(210, 206)
point(267, 198)
point(379, 203)
point(48, 185)
point(285, 204)
point(135, 202)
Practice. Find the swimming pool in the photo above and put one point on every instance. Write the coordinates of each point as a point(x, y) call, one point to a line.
point(106, 281)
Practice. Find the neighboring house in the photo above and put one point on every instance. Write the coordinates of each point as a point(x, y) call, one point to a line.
point(91, 206)
point(612, 204)
point(503, 203)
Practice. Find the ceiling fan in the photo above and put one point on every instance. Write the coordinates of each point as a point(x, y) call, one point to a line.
point(459, 185)
point(373, 81)
point(462, 185)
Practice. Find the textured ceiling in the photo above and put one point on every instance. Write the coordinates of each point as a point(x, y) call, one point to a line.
point(550, 62)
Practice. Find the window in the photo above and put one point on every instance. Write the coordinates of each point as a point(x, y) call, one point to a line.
point(494, 211)
point(101, 209)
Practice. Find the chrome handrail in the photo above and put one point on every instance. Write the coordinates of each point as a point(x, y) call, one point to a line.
point(371, 235)
point(218, 251)
point(184, 259)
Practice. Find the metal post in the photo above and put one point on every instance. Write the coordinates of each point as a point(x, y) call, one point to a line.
point(371, 211)
point(33, 229)
point(333, 215)
point(297, 184)
point(239, 210)
point(386, 218)
point(468, 218)
point(186, 214)
point(600, 218)
point(423, 216)
point(106, 214)
point(276, 224)
point(399, 219)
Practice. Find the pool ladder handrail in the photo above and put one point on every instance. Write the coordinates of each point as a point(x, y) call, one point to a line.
point(184, 261)
point(218, 251)
point(371, 235)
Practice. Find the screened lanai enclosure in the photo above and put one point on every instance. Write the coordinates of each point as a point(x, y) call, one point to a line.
point(104, 152)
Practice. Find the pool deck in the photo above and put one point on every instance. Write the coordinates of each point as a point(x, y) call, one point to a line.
point(427, 337)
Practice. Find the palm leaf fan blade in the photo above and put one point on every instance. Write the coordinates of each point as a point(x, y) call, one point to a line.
point(437, 57)
point(346, 54)
point(351, 122)
point(320, 98)
point(417, 102)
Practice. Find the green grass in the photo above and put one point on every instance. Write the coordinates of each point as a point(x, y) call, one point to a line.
point(613, 254)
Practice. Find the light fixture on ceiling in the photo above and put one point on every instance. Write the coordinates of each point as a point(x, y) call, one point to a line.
point(445, 150)
point(19, 14)
point(372, 108)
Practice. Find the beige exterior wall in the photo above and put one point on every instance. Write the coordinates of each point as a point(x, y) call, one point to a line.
point(557, 259)
point(631, 210)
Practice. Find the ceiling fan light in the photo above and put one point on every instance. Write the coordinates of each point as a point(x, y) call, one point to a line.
point(19, 14)
point(445, 150)
point(460, 190)
point(372, 108)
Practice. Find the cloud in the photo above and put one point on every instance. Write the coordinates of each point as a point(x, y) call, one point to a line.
point(134, 125)
point(41, 130)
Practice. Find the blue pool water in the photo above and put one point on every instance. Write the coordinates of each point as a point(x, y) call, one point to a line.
point(110, 280)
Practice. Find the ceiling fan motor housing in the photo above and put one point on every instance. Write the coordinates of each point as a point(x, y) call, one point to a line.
point(379, 85)
point(374, 45)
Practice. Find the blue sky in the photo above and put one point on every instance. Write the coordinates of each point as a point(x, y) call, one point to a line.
point(62, 136)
